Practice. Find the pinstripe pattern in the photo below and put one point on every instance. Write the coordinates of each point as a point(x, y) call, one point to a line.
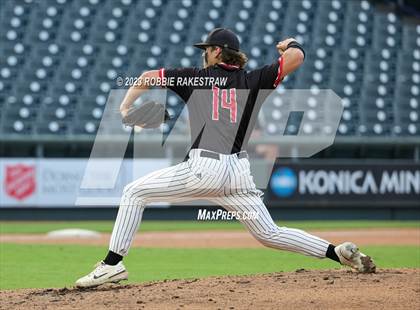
point(227, 182)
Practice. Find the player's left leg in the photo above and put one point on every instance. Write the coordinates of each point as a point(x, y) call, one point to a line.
point(196, 178)
point(178, 183)
point(166, 184)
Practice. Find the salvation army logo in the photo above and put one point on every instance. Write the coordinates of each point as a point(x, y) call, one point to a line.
point(20, 181)
point(283, 182)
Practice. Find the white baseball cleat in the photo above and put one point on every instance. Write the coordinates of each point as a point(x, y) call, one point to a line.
point(103, 273)
point(349, 255)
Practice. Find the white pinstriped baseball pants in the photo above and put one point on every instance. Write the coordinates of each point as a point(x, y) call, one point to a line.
point(227, 182)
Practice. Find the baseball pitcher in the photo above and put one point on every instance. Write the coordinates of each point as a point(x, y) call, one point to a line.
point(217, 167)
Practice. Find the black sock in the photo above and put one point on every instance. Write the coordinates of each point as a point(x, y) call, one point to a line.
point(331, 253)
point(112, 258)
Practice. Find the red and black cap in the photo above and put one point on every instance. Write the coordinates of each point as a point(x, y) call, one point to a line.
point(221, 37)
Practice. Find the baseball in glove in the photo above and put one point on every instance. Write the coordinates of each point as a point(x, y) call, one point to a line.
point(150, 114)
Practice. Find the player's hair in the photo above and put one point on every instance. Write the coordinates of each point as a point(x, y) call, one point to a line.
point(232, 57)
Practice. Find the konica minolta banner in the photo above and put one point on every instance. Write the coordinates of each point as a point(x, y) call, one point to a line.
point(345, 182)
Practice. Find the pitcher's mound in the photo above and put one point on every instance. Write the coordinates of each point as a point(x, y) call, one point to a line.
point(302, 289)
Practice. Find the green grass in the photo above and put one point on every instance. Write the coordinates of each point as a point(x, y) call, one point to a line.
point(30, 266)
point(106, 226)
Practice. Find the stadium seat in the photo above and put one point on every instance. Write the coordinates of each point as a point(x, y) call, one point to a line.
point(60, 59)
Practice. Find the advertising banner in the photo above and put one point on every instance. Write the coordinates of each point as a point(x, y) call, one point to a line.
point(336, 182)
point(19, 182)
point(57, 182)
point(60, 182)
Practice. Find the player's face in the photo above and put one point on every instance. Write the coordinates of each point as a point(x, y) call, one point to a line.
point(211, 56)
point(205, 58)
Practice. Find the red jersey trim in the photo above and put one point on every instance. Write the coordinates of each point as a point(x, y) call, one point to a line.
point(161, 73)
point(279, 72)
point(227, 66)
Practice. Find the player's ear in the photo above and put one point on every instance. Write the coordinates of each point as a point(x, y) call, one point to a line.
point(218, 52)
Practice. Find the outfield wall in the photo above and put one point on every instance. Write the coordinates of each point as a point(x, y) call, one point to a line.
point(345, 183)
point(78, 182)
point(310, 189)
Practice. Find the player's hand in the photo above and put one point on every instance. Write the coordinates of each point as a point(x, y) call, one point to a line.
point(282, 46)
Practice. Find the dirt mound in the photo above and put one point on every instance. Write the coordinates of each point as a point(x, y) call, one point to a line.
point(302, 289)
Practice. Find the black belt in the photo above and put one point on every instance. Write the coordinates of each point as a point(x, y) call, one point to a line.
point(240, 155)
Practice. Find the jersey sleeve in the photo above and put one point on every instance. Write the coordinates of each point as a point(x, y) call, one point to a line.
point(270, 75)
point(175, 80)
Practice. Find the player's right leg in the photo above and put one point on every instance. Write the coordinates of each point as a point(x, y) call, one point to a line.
point(266, 231)
point(243, 196)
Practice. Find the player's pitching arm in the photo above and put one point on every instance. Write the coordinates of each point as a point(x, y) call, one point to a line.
point(292, 58)
point(292, 55)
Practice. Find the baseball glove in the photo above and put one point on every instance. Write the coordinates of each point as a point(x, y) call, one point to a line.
point(149, 115)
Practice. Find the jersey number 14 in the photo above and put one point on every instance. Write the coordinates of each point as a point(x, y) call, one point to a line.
point(230, 103)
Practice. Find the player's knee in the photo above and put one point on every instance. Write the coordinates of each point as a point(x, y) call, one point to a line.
point(127, 191)
point(133, 195)
point(264, 236)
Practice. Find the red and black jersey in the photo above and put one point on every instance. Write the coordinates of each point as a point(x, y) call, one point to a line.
point(223, 102)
